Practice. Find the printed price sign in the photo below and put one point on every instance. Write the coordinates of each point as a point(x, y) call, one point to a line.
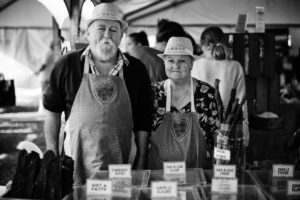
point(221, 154)
point(163, 189)
point(293, 187)
point(174, 168)
point(224, 171)
point(260, 19)
point(98, 187)
point(282, 170)
point(227, 185)
point(241, 23)
point(119, 171)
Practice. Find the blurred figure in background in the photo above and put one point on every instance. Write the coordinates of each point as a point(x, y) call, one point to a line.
point(215, 64)
point(137, 39)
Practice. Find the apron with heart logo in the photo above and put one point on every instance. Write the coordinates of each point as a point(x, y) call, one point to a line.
point(99, 129)
point(179, 137)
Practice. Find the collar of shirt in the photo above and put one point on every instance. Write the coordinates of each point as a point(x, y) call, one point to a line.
point(122, 59)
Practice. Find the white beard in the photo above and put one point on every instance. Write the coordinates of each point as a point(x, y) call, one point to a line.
point(106, 50)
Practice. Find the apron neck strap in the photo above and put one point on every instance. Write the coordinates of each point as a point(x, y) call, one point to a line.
point(168, 100)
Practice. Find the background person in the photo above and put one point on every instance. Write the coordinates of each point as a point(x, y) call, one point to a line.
point(137, 39)
point(186, 116)
point(105, 95)
point(214, 64)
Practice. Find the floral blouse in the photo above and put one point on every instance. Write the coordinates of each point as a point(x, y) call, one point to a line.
point(205, 105)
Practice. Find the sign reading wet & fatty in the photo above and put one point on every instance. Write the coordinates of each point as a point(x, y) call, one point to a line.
point(119, 171)
point(98, 187)
point(163, 189)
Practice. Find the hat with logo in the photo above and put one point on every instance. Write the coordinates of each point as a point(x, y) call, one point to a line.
point(108, 11)
point(178, 46)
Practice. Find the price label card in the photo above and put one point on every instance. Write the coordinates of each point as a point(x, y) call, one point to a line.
point(241, 23)
point(163, 189)
point(293, 187)
point(283, 170)
point(260, 19)
point(119, 171)
point(98, 187)
point(224, 171)
point(174, 168)
point(222, 185)
point(221, 154)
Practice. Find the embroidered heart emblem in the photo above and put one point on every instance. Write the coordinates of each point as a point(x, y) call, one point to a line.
point(105, 91)
point(180, 128)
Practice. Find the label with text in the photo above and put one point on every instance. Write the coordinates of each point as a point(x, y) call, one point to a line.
point(221, 154)
point(174, 168)
point(260, 19)
point(283, 170)
point(224, 171)
point(293, 187)
point(119, 171)
point(163, 189)
point(98, 187)
point(224, 185)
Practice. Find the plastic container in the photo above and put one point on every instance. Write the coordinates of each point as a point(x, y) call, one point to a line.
point(193, 176)
point(245, 192)
point(139, 177)
point(184, 193)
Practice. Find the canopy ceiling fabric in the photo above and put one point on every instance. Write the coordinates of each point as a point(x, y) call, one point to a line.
point(146, 12)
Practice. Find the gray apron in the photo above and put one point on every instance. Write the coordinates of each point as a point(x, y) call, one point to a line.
point(100, 125)
point(178, 138)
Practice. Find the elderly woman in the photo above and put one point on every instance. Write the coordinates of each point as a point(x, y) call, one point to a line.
point(186, 116)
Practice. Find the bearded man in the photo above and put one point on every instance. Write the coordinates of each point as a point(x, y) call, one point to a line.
point(106, 97)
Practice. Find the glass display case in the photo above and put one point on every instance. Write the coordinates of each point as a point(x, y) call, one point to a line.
point(243, 177)
point(193, 176)
point(275, 188)
point(138, 177)
point(245, 192)
point(184, 193)
point(118, 193)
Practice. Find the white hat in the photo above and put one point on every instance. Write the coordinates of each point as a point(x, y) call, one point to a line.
point(178, 46)
point(107, 11)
